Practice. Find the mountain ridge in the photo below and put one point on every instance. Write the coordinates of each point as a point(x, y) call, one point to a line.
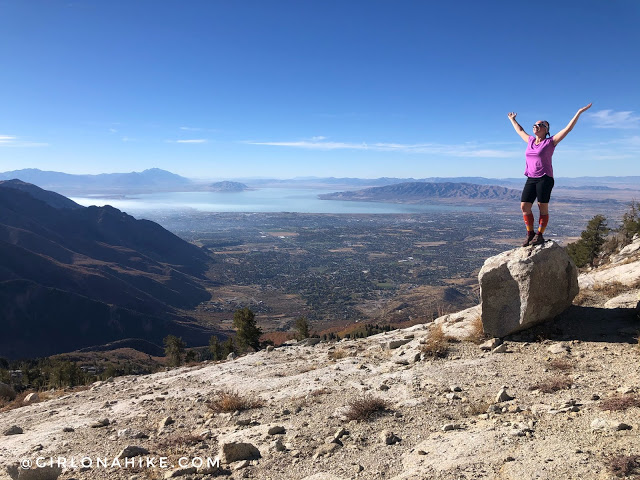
point(131, 276)
point(421, 192)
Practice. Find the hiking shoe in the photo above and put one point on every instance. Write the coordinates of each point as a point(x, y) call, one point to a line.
point(537, 239)
point(530, 236)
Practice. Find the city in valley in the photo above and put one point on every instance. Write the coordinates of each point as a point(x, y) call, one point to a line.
point(342, 271)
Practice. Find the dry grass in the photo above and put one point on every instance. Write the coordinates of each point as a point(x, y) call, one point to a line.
point(553, 384)
point(624, 465)
point(320, 391)
point(560, 364)
point(611, 289)
point(366, 407)
point(477, 408)
point(583, 297)
point(477, 335)
point(437, 344)
point(232, 401)
point(337, 354)
point(620, 402)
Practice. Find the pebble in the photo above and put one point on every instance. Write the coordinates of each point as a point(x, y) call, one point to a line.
point(450, 426)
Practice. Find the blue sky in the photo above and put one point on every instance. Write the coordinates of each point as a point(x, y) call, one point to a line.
point(363, 88)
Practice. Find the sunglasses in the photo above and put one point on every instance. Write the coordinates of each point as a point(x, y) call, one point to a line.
point(539, 125)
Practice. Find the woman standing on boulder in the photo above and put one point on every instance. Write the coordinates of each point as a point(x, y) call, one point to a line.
point(539, 171)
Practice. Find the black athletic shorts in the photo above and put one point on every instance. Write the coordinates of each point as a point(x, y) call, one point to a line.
point(539, 188)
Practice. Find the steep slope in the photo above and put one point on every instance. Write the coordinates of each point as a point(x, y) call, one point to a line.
point(93, 275)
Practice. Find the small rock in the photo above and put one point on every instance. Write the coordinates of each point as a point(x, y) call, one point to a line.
point(278, 446)
point(388, 437)
point(270, 348)
point(626, 390)
point(341, 432)
point(100, 423)
point(234, 451)
point(68, 429)
point(490, 344)
point(13, 430)
point(599, 424)
point(231, 356)
point(503, 396)
point(241, 465)
point(31, 398)
point(393, 344)
point(621, 426)
point(164, 422)
point(450, 426)
point(384, 387)
point(132, 451)
point(558, 348)
point(276, 430)
point(180, 472)
point(325, 450)
point(500, 348)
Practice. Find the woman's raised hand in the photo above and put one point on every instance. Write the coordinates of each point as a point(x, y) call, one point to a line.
point(583, 109)
point(512, 115)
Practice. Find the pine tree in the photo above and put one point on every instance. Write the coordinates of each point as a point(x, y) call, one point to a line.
point(174, 349)
point(587, 248)
point(302, 328)
point(191, 356)
point(215, 348)
point(248, 332)
point(228, 347)
point(631, 222)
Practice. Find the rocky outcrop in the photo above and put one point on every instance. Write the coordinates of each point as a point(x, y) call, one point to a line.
point(622, 267)
point(526, 286)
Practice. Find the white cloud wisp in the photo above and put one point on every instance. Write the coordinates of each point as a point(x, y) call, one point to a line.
point(465, 150)
point(611, 119)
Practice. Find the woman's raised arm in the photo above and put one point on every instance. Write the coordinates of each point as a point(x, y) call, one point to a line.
point(519, 130)
point(563, 133)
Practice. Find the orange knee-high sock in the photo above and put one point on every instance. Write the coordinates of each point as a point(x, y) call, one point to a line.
point(542, 224)
point(528, 221)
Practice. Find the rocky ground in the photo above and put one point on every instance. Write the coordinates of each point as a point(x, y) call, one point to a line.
point(558, 401)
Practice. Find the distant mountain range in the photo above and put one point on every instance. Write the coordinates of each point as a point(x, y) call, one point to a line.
point(157, 180)
point(74, 277)
point(423, 192)
point(151, 180)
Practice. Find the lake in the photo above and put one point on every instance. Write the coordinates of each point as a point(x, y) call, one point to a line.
point(260, 200)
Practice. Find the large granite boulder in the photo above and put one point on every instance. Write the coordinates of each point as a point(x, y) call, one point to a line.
point(525, 286)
